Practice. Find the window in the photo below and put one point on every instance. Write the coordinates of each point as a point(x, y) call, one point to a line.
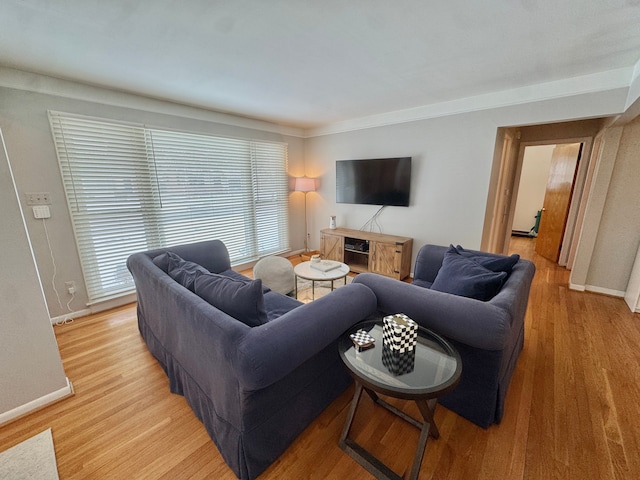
point(132, 188)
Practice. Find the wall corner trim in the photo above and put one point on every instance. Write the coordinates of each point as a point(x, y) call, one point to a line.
point(576, 287)
point(605, 291)
point(37, 404)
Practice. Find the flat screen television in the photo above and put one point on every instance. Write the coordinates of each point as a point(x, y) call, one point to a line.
point(376, 181)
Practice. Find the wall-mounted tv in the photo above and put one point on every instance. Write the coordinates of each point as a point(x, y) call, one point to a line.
point(376, 181)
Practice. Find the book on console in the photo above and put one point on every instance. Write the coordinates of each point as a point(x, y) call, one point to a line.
point(325, 265)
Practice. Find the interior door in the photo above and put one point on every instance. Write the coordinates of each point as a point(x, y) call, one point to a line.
point(562, 171)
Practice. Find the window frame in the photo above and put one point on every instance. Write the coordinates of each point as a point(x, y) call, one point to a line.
point(177, 179)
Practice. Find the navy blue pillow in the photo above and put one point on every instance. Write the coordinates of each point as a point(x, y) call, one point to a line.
point(277, 305)
point(241, 278)
point(495, 263)
point(463, 276)
point(243, 301)
point(421, 283)
point(162, 261)
point(182, 271)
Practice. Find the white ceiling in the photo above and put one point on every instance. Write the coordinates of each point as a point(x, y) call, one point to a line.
point(311, 63)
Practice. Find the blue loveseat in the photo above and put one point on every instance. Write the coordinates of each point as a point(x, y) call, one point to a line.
point(488, 333)
point(254, 388)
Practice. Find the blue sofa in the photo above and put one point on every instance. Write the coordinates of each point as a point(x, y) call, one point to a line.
point(489, 335)
point(255, 389)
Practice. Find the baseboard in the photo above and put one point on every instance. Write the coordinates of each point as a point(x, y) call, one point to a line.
point(37, 404)
point(632, 307)
point(594, 289)
point(96, 308)
point(605, 291)
point(576, 287)
point(69, 316)
point(113, 303)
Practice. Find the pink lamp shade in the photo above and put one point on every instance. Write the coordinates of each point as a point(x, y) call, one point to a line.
point(304, 184)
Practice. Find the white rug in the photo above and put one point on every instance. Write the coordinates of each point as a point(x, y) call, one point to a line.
point(321, 288)
point(33, 459)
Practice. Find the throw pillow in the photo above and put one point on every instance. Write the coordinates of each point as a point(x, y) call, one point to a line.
point(182, 271)
point(422, 283)
point(243, 301)
point(241, 278)
point(463, 276)
point(162, 261)
point(495, 263)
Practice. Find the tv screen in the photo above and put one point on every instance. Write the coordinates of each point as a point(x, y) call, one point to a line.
point(379, 181)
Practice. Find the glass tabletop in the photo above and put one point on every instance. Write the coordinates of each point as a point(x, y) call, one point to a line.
point(430, 369)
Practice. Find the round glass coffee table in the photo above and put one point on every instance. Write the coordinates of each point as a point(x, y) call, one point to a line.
point(307, 271)
point(427, 372)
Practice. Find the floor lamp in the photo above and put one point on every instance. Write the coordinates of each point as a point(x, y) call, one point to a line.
point(304, 185)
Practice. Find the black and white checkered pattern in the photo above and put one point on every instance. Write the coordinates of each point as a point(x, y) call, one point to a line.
point(361, 339)
point(398, 363)
point(396, 336)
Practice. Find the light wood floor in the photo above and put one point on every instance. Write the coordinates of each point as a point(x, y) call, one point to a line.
point(572, 410)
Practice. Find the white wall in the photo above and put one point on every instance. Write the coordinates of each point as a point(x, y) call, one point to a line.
point(23, 117)
point(452, 164)
point(619, 233)
point(31, 371)
point(442, 185)
point(452, 160)
point(533, 185)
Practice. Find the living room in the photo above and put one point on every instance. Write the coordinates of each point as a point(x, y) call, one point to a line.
point(454, 144)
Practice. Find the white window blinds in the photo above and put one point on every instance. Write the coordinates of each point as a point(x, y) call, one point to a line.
point(132, 188)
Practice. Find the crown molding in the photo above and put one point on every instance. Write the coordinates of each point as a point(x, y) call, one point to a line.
point(628, 77)
point(38, 83)
point(592, 83)
point(634, 86)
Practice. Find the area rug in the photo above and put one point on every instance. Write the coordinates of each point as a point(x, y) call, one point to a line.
point(321, 288)
point(33, 459)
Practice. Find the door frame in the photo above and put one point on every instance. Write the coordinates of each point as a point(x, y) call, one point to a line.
point(505, 159)
point(512, 184)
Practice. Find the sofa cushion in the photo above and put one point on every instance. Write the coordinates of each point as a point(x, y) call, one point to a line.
point(241, 278)
point(463, 276)
point(162, 261)
point(495, 263)
point(182, 271)
point(277, 304)
point(243, 301)
point(422, 283)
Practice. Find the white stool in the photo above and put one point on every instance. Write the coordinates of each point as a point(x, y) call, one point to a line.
point(275, 273)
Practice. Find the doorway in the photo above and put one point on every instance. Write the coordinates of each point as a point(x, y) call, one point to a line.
point(507, 170)
point(546, 186)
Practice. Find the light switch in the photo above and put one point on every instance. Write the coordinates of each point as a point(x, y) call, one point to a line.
point(41, 211)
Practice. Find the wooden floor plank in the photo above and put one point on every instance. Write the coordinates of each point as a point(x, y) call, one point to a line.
point(572, 411)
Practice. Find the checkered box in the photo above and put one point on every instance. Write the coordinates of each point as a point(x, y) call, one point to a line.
point(398, 363)
point(399, 332)
point(362, 340)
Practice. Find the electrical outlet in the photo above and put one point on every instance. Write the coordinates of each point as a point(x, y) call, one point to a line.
point(40, 198)
point(71, 287)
